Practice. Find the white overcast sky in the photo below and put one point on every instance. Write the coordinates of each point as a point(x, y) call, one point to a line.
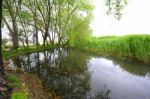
point(135, 19)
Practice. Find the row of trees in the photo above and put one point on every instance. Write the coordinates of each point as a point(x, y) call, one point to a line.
point(56, 21)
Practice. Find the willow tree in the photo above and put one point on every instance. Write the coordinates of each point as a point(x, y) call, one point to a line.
point(78, 29)
point(44, 8)
point(52, 18)
point(40, 10)
point(32, 8)
point(66, 11)
point(25, 31)
point(10, 15)
point(79, 32)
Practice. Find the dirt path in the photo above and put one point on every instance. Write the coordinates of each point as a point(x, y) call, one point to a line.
point(32, 86)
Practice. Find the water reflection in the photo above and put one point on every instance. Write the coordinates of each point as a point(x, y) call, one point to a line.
point(138, 69)
point(73, 74)
point(63, 71)
point(123, 84)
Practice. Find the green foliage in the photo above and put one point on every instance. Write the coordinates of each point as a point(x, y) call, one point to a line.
point(24, 50)
point(4, 42)
point(19, 95)
point(128, 47)
point(59, 21)
point(79, 31)
point(14, 81)
point(115, 7)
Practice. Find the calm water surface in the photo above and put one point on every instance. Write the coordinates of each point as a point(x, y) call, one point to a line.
point(74, 74)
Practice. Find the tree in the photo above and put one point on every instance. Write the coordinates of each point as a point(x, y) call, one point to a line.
point(51, 18)
point(41, 12)
point(31, 6)
point(44, 8)
point(1, 59)
point(24, 30)
point(11, 9)
point(4, 88)
point(64, 16)
point(79, 31)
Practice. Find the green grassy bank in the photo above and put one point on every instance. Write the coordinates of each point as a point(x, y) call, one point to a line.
point(17, 84)
point(125, 47)
point(23, 50)
point(20, 91)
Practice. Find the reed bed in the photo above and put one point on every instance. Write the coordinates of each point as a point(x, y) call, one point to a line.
point(126, 47)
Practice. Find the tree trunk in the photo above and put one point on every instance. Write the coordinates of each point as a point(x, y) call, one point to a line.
point(36, 29)
point(15, 35)
point(22, 43)
point(45, 36)
point(5, 91)
point(36, 36)
point(27, 42)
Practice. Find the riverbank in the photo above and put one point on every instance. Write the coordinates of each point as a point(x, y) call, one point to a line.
point(131, 47)
point(25, 86)
point(24, 50)
point(28, 86)
point(61, 67)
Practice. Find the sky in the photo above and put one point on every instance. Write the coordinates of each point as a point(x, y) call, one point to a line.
point(135, 19)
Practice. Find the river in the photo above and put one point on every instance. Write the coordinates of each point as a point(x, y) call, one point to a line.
point(75, 74)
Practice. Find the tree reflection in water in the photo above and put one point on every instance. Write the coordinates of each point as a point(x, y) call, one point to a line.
point(103, 94)
point(63, 71)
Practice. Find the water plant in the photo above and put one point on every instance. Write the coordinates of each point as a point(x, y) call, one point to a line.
point(125, 47)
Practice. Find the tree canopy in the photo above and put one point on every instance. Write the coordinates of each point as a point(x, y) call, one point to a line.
point(55, 20)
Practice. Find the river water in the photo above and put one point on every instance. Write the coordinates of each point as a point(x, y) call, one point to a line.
point(75, 74)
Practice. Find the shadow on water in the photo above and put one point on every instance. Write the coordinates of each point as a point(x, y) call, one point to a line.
point(138, 69)
point(63, 71)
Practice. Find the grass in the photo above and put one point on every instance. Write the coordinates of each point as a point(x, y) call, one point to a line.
point(126, 47)
point(19, 95)
point(23, 50)
point(15, 82)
